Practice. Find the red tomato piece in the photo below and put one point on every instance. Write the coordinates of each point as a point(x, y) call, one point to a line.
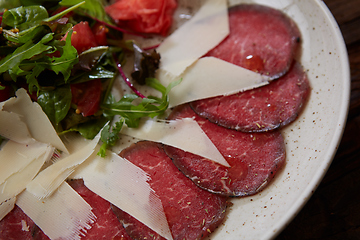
point(82, 37)
point(100, 31)
point(145, 16)
point(87, 97)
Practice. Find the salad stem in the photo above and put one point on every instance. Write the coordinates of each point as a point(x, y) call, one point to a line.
point(59, 15)
point(127, 81)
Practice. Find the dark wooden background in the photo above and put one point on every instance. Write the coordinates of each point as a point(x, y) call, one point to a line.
point(333, 212)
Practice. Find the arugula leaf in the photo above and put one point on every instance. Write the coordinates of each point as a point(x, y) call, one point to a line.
point(109, 136)
point(55, 103)
point(66, 61)
point(34, 46)
point(12, 62)
point(154, 83)
point(34, 34)
point(25, 61)
point(62, 64)
point(131, 114)
point(150, 106)
point(32, 21)
point(31, 78)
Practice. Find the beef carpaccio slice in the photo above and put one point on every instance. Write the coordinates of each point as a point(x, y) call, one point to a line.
point(135, 228)
point(106, 226)
point(192, 212)
point(254, 158)
point(261, 39)
point(261, 109)
point(17, 225)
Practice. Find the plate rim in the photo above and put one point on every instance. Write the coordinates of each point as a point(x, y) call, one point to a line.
point(338, 133)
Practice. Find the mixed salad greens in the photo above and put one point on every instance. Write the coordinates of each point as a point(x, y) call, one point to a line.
point(67, 55)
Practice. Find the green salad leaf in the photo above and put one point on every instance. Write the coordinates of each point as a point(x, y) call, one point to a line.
point(65, 62)
point(6, 4)
point(109, 136)
point(25, 60)
point(12, 62)
point(90, 129)
point(131, 113)
point(92, 8)
point(34, 44)
point(55, 103)
point(33, 34)
point(24, 17)
point(37, 48)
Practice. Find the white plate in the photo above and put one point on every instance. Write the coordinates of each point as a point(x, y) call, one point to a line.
point(312, 140)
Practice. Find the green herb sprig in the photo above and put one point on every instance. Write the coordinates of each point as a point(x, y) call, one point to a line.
point(130, 114)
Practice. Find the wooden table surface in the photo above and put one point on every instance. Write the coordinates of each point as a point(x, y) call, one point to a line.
point(333, 212)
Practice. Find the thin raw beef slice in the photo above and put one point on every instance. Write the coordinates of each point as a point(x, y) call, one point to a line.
point(254, 158)
point(192, 212)
point(261, 39)
point(17, 225)
point(262, 109)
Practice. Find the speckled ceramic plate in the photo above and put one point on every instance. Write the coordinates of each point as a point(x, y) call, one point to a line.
point(312, 140)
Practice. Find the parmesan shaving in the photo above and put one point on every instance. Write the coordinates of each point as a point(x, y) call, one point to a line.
point(6, 207)
point(74, 141)
point(124, 185)
point(64, 215)
point(13, 128)
point(210, 77)
point(209, 26)
point(185, 134)
point(35, 119)
point(24, 226)
point(14, 157)
point(17, 182)
point(52, 177)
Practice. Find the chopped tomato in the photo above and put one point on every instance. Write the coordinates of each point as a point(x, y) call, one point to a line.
point(100, 31)
point(145, 16)
point(87, 97)
point(82, 37)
